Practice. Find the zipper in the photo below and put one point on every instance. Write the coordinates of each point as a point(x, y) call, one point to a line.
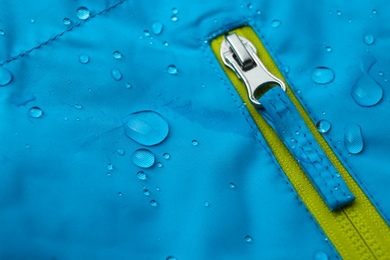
point(354, 226)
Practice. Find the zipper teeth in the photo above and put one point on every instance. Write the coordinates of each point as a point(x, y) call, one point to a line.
point(358, 231)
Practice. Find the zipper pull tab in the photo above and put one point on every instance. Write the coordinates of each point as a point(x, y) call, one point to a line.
point(240, 55)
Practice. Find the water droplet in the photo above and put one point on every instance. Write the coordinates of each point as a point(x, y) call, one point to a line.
point(78, 106)
point(258, 12)
point(110, 167)
point(83, 58)
point(116, 74)
point(322, 75)
point(158, 189)
point(353, 139)
point(27, 146)
point(374, 11)
point(32, 20)
point(248, 239)
point(2, 33)
point(286, 69)
point(146, 127)
point(328, 48)
point(203, 85)
point(159, 165)
point(276, 23)
point(143, 158)
point(35, 112)
point(174, 18)
point(67, 21)
point(206, 204)
point(146, 33)
point(323, 126)
point(368, 39)
point(380, 73)
point(120, 194)
point(172, 69)
point(167, 156)
point(320, 255)
point(142, 176)
point(171, 258)
point(337, 175)
point(121, 151)
point(153, 203)
point(250, 6)
point(117, 55)
point(366, 91)
point(165, 43)
point(157, 28)
point(195, 143)
point(339, 13)
point(175, 10)
point(232, 185)
point(146, 192)
point(83, 13)
point(5, 76)
point(215, 21)
point(297, 133)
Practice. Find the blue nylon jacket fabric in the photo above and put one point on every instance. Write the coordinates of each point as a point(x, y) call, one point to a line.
point(66, 192)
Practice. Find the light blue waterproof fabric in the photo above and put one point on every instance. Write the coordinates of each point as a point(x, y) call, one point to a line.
point(69, 188)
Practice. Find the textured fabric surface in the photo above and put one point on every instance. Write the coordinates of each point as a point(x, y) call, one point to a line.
point(68, 186)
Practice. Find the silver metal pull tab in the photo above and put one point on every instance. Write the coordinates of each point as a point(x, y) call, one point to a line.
point(240, 55)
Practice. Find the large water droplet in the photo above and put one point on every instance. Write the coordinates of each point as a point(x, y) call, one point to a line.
point(83, 58)
point(322, 75)
point(157, 28)
point(35, 112)
point(323, 126)
point(276, 23)
point(142, 176)
point(116, 74)
point(366, 91)
point(82, 13)
point(248, 239)
point(320, 255)
point(146, 127)
point(353, 139)
point(117, 55)
point(5, 76)
point(172, 69)
point(368, 39)
point(143, 158)
point(153, 203)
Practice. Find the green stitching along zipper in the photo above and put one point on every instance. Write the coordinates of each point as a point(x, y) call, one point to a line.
point(357, 230)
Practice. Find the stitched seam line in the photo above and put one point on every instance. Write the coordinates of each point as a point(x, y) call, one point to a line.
point(339, 152)
point(20, 55)
point(256, 133)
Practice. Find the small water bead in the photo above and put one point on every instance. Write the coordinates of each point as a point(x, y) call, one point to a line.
point(258, 12)
point(157, 28)
point(120, 194)
point(172, 69)
point(66, 21)
point(167, 156)
point(175, 10)
point(159, 165)
point(83, 13)
point(297, 133)
point(323, 126)
point(146, 192)
point(368, 39)
point(5, 76)
point(328, 48)
point(121, 151)
point(339, 13)
point(153, 203)
point(128, 85)
point(165, 43)
point(195, 143)
point(322, 75)
point(232, 185)
point(116, 74)
point(286, 69)
point(110, 167)
point(146, 33)
point(117, 55)
point(174, 18)
point(146, 127)
point(143, 158)
point(32, 20)
point(353, 139)
point(380, 73)
point(374, 11)
point(248, 239)
point(2, 33)
point(250, 6)
point(171, 258)
point(78, 106)
point(276, 23)
point(142, 176)
point(206, 204)
point(320, 255)
point(83, 58)
point(35, 112)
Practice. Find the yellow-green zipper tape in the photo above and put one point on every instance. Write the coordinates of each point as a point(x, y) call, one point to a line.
point(357, 231)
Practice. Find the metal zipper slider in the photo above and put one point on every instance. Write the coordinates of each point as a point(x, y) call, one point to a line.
point(240, 55)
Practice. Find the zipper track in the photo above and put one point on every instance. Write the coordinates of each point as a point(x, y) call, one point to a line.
point(357, 231)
